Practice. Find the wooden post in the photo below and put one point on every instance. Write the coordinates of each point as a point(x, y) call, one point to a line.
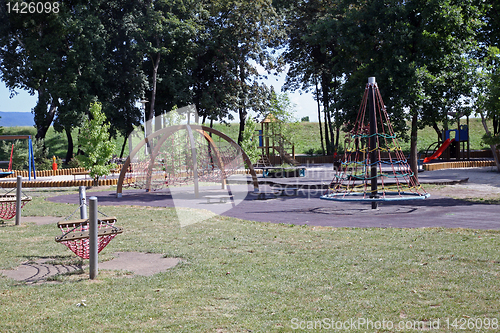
point(93, 244)
point(18, 199)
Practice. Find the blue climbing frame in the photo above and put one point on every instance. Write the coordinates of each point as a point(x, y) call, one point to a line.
point(31, 157)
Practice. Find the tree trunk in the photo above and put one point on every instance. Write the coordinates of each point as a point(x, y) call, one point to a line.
point(69, 153)
point(438, 131)
point(496, 124)
point(332, 136)
point(151, 114)
point(79, 151)
point(326, 104)
point(123, 146)
point(327, 137)
point(413, 146)
point(42, 126)
point(243, 115)
point(493, 147)
point(319, 120)
point(337, 116)
point(242, 111)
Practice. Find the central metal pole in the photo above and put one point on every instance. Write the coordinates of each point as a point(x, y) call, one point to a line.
point(93, 245)
point(83, 202)
point(373, 140)
point(19, 195)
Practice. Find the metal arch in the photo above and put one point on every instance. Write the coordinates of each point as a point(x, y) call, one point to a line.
point(234, 144)
point(169, 131)
point(220, 162)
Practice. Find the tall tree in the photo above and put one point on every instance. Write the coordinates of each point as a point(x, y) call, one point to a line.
point(32, 58)
point(485, 70)
point(247, 31)
point(418, 52)
point(124, 82)
point(315, 56)
point(69, 58)
point(165, 31)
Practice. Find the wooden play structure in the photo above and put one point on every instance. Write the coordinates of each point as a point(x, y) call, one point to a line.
point(181, 155)
point(275, 149)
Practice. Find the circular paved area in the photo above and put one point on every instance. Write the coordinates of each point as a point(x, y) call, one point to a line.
point(440, 210)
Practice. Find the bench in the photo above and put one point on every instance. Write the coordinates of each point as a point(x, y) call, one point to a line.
point(80, 173)
point(222, 198)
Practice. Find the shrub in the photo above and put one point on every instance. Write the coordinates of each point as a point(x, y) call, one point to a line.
point(95, 144)
point(19, 155)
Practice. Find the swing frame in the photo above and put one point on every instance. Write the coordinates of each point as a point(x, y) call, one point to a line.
point(31, 157)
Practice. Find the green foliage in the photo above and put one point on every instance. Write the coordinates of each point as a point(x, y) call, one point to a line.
point(95, 144)
point(74, 163)
point(19, 155)
point(490, 139)
point(282, 109)
point(41, 155)
point(492, 73)
point(173, 117)
point(250, 143)
point(305, 119)
point(55, 142)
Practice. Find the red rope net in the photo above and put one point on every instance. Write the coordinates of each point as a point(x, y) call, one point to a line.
point(8, 206)
point(363, 163)
point(80, 247)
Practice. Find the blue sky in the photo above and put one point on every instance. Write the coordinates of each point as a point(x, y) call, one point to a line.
point(304, 103)
point(22, 102)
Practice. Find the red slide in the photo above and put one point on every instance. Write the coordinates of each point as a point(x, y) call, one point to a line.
point(439, 151)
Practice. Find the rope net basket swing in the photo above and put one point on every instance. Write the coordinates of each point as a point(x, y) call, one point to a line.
point(373, 167)
point(8, 206)
point(75, 234)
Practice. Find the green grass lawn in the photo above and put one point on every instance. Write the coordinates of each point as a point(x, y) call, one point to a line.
point(241, 276)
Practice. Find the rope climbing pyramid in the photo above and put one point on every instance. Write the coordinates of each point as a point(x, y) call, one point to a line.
point(373, 167)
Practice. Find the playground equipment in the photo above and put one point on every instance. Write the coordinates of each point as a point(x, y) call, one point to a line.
point(77, 234)
point(271, 143)
point(180, 155)
point(456, 151)
point(11, 204)
point(8, 205)
point(373, 154)
point(9, 172)
point(440, 150)
point(31, 158)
